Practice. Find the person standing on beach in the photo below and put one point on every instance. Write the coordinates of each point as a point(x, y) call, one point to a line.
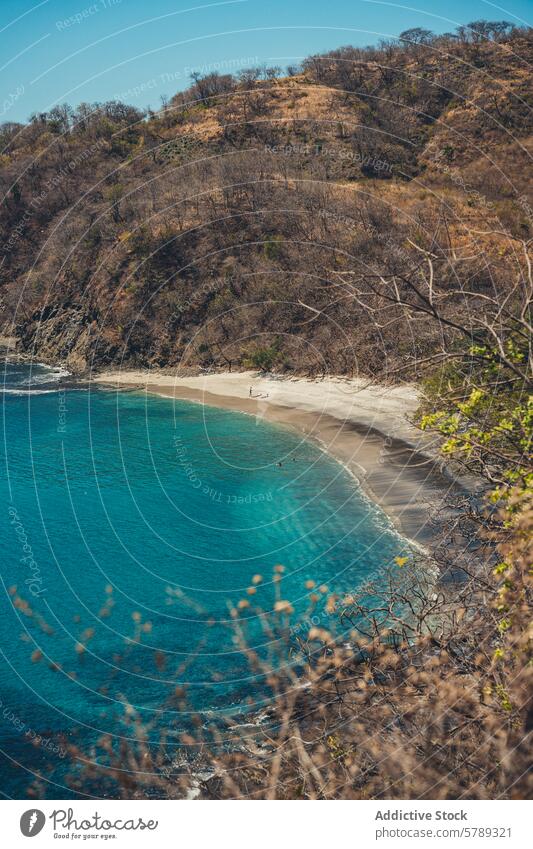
point(250, 393)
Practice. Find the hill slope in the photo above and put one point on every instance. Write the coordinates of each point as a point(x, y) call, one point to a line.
point(229, 228)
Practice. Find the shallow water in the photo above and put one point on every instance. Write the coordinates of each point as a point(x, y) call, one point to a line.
point(130, 525)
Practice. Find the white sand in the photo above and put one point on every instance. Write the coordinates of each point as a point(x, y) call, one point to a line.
point(385, 408)
point(365, 426)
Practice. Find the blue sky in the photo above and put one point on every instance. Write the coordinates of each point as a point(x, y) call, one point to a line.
point(56, 51)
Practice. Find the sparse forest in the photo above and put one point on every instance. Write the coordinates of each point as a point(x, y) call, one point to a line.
point(369, 213)
point(246, 205)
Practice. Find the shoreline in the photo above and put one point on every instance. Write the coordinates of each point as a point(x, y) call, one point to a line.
point(365, 427)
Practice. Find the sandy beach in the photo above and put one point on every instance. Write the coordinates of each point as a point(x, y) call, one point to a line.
point(366, 427)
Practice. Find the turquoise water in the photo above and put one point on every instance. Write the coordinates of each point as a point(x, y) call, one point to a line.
point(130, 524)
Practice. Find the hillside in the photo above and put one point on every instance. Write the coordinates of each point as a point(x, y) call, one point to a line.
point(366, 214)
point(239, 224)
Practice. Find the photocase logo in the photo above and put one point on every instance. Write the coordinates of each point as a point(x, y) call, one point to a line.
point(32, 822)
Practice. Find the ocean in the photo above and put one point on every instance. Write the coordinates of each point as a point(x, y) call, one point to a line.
point(132, 526)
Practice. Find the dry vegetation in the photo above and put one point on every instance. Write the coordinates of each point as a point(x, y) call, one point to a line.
point(214, 228)
point(425, 695)
point(368, 212)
